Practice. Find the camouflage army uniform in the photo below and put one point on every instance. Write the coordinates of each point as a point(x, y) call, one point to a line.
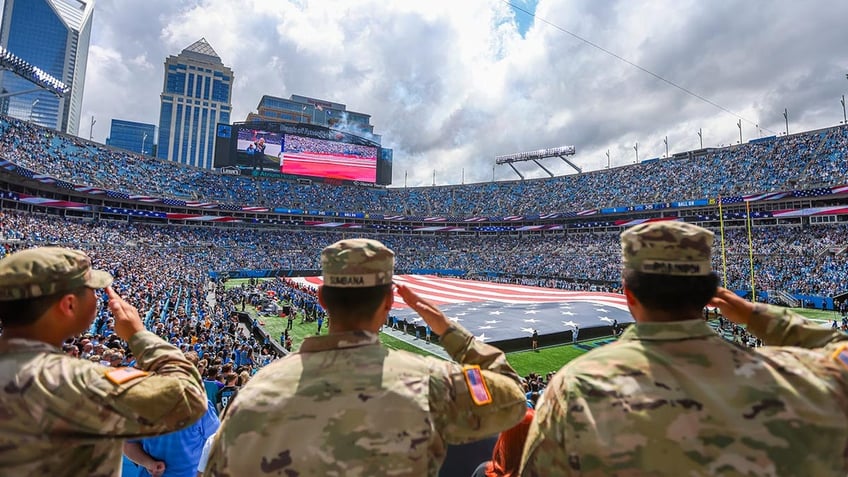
point(675, 399)
point(346, 405)
point(64, 416)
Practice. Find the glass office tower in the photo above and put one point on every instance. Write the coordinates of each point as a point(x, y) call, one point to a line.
point(132, 136)
point(53, 35)
point(196, 95)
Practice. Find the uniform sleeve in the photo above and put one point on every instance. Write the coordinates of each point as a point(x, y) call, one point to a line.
point(545, 448)
point(782, 327)
point(77, 396)
point(455, 396)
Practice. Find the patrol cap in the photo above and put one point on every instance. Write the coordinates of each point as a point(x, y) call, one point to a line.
point(43, 271)
point(357, 263)
point(667, 248)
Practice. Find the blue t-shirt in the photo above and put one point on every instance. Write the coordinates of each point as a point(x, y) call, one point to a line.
point(180, 451)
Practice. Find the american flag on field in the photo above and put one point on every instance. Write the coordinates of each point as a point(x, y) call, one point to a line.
point(497, 311)
point(254, 209)
point(435, 219)
point(173, 202)
point(475, 219)
point(843, 189)
point(583, 213)
point(548, 216)
point(8, 165)
point(394, 217)
point(513, 218)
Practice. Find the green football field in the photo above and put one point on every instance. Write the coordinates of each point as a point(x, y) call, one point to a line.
point(545, 360)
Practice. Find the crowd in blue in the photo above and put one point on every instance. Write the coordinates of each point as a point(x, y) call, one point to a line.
point(799, 161)
point(798, 260)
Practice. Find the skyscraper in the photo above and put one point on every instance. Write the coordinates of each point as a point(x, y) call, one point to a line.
point(132, 136)
point(196, 95)
point(54, 36)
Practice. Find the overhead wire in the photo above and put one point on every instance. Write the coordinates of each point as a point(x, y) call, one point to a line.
point(635, 65)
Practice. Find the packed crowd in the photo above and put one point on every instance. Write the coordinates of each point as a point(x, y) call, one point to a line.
point(807, 261)
point(795, 162)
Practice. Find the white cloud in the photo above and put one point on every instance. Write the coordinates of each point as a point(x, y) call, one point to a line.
point(450, 84)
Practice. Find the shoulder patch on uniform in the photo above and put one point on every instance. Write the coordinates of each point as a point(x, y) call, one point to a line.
point(841, 355)
point(122, 375)
point(476, 385)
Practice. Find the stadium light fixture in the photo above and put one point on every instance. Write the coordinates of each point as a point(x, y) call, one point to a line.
point(701, 137)
point(636, 148)
point(9, 61)
point(535, 156)
point(844, 116)
point(739, 125)
point(666, 146)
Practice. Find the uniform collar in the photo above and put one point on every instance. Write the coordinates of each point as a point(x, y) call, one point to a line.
point(8, 345)
point(347, 339)
point(675, 330)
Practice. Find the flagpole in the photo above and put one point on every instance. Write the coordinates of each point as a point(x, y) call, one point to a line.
point(750, 248)
point(723, 255)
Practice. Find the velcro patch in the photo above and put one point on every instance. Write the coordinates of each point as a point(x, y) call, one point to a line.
point(122, 375)
point(476, 385)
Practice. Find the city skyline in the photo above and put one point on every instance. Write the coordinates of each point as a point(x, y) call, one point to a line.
point(452, 85)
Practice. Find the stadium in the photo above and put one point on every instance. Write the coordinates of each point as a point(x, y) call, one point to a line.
point(223, 261)
point(779, 205)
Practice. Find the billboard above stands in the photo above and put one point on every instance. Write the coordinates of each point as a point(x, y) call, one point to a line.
point(270, 149)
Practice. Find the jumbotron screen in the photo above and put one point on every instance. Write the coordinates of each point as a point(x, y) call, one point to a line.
point(308, 156)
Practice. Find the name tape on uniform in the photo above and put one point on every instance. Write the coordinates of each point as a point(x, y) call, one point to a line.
point(476, 385)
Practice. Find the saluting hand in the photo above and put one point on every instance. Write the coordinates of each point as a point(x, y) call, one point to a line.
point(437, 320)
point(127, 320)
point(732, 306)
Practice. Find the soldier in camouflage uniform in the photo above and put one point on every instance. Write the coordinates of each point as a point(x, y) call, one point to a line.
point(672, 398)
point(64, 416)
point(346, 405)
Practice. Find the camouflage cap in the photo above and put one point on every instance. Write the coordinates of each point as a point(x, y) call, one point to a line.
point(357, 263)
point(46, 271)
point(667, 248)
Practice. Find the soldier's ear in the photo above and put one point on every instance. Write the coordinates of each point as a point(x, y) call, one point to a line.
point(321, 296)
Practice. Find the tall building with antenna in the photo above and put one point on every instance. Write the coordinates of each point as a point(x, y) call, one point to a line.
point(196, 95)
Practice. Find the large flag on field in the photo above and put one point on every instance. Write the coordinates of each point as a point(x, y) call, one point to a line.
point(498, 311)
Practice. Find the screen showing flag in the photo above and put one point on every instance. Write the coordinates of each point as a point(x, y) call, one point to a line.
point(307, 156)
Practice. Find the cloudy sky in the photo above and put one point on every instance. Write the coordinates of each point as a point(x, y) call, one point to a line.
point(450, 84)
